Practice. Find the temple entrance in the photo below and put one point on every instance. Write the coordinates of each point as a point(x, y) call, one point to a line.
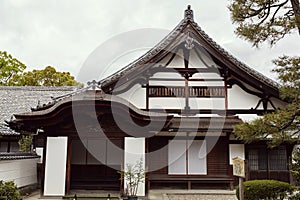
point(96, 172)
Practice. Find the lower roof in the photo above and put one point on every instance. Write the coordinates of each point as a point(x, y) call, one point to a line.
point(17, 155)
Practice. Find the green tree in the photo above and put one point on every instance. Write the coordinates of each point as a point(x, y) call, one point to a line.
point(25, 143)
point(45, 77)
point(282, 125)
point(269, 21)
point(265, 20)
point(9, 67)
point(295, 166)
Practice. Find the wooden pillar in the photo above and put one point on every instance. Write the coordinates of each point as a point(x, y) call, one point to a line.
point(189, 185)
point(147, 96)
point(186, 54)
point(8, 145)
point(226, 94)
point(68, 171)
point(43, 166)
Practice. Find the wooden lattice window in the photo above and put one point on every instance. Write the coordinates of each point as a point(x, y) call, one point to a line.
point(261, 158)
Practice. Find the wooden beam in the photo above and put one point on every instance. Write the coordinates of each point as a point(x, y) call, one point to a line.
point(182, 79)
point(215, 111)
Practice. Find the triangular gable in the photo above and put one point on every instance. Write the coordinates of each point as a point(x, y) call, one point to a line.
point(142, 68)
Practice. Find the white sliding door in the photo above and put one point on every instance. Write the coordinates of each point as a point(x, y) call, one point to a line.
point(177, 157)
point(187, 157)
point(197, 157)
point(55, 169)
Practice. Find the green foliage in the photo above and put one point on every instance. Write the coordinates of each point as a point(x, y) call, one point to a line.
point(295, 166)
point(295, 196)
point(9, 191)
point(45, 77)
point(282, 125)
point(265, 20)
point(25, 143)
point(9, 67)
point(133, 174)
point(288, 70)
point(265, 189)
point(12, 74)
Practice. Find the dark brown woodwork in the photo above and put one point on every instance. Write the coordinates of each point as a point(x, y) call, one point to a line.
point(95, 177)
point(191, 79)
point(187, 91)
point(218, 168)
point(189, 71)
point(217, 158)
point(217, 111)
point(43, 166)
point(68, 171)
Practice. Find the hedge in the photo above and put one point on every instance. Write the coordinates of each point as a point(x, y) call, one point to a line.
point(9, 191)
point(265, 189)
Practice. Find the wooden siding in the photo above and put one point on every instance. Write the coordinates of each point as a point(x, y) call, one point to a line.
point(217, 158)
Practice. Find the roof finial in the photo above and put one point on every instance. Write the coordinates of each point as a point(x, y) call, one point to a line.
point(188, 13)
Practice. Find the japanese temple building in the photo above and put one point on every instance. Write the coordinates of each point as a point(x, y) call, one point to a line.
point(192, 93)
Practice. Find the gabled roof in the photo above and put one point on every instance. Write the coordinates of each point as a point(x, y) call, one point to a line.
point(211, 46)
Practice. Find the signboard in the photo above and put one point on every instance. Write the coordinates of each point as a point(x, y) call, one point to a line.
point(238, 167)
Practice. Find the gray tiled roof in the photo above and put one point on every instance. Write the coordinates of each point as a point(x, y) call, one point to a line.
point(5, 130)
point(17, 155)
point(15, 99)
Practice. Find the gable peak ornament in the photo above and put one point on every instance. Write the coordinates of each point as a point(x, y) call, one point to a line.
point(188, 13)
point(189, 42)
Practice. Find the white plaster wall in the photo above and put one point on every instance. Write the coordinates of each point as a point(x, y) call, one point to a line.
point(278, 103)
point(135, 95)
point(22, 172)
point(239, 99)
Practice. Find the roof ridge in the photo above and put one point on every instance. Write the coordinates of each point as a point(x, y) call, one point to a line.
point(149, 54)
point(188, 18)
point(236, 61)
point(40, 88)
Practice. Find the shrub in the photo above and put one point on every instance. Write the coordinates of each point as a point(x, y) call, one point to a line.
point(265, 189)
point(295, 166)
point(25, 143)
point(294, 196)
point(9, 191)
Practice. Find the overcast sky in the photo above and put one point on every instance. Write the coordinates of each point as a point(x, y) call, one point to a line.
point(63, 33)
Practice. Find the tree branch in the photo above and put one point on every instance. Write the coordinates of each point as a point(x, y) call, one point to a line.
point(296, 9)
point(291, 120)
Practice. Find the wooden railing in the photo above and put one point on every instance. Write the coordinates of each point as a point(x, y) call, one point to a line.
point(179, 91)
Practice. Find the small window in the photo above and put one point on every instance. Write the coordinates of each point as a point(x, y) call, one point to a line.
point(3, 146)
point(278, 159)
point(261, 158)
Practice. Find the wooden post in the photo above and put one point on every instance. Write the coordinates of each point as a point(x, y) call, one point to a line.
point(241, 188)
point(68, 171)
point(239, 170)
